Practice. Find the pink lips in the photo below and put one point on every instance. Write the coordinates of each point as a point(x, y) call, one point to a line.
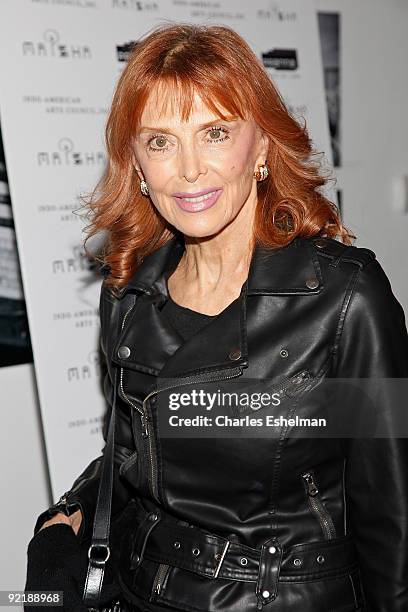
point(197, 206)
point(185, 194)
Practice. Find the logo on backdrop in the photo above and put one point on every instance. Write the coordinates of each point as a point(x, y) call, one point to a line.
point(52, 46)
point(123, 51)
point(67, 155)
point(276, 13)
point(76, 263)
point(85, 370)
point(280, 59)
point(136, 5)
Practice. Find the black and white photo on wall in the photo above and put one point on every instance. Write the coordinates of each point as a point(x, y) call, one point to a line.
point(15, 344)
point(329, 31)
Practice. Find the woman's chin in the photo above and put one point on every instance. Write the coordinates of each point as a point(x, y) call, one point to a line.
point(199, 228)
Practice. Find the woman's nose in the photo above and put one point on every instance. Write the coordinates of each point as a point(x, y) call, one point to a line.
point(191, 164)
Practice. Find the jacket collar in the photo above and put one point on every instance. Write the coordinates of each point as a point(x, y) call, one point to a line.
point(293, 269)
point(154, 347)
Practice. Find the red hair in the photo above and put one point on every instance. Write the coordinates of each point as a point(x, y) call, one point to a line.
point(219, 65)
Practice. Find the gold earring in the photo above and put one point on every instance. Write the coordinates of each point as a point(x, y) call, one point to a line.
point(261, 173)
point(144, 188)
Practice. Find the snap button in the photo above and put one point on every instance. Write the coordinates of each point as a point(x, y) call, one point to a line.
point(153, 517)
point(265, 594)
point(243, 561)
point(123, 352)
point(284, 353)
point(297, 562)
point(272, 550)
point(312, 283)
point(320, 559)
point(234, 354)
point(176, 544)
point(196, 551)
point(136, 558)
point(320, 243)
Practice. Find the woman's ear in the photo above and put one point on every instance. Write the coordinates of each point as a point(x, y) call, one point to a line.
point(136, 166)
point(264, 145)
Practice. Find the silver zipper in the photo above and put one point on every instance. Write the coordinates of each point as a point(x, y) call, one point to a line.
point(298, 379)
point(63, 502)
point(121, 371)
point(317, 507)
point(159, 578)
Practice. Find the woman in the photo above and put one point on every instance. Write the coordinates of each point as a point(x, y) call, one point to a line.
point(236, 274)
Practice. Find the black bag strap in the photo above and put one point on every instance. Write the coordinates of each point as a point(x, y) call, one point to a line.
point(99, 551)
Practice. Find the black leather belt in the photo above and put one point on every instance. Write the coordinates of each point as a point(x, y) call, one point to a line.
point(163, 540)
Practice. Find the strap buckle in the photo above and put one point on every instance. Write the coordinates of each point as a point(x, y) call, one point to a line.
point(101, 561)
point(221, 558)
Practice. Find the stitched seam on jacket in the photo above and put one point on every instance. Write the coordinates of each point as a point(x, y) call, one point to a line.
point(334, 574)
point(277, 462)
point(353, 283)
point(344, 309)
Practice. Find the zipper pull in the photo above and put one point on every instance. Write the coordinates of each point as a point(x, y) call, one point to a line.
point(62, 504)
point(63, 500)
point(145, 432)
point(311, 485)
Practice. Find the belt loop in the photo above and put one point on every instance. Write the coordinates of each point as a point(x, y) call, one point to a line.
point(268, 573)
point(140, 537)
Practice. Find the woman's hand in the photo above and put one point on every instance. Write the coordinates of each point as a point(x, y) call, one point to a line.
point(74, 520)
point(57, 561)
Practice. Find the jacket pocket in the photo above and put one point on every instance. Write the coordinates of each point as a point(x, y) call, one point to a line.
point(317, 506)
point(286, 389)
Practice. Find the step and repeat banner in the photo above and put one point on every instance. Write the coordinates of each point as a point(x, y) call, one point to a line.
point(59, 63)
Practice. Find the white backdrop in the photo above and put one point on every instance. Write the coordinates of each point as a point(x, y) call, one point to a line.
point(59, 63)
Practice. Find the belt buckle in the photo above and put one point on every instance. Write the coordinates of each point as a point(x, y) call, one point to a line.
point(222, 555)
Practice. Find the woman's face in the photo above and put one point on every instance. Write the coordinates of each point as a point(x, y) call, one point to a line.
point(180, 160)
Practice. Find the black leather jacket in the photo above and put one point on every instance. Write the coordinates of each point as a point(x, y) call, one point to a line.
point(294, 521)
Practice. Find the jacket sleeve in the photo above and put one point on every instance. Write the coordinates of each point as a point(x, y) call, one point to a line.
point(373, 346)
point(84, 491)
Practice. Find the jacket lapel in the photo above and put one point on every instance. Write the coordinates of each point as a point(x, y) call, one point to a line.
point(150, 344)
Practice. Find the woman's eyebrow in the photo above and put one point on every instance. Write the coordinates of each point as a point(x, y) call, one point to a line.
point(230, 119)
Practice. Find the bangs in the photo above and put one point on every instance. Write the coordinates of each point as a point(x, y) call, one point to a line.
point(174, 94)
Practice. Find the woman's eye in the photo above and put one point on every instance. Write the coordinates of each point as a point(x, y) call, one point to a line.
point(218, 131)
point(159, 141)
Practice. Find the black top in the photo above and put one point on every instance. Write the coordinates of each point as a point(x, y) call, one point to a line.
point(186, 321)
